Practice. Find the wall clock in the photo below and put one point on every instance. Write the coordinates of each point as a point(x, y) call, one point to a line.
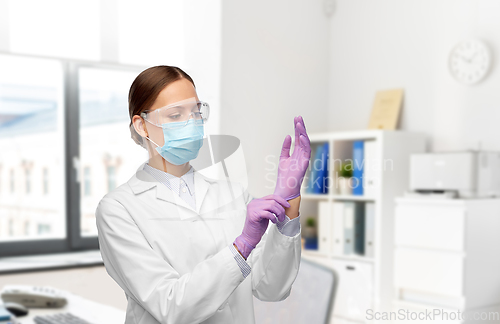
point(470, 61)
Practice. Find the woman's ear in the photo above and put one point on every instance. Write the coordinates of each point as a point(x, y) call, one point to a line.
point(138, 131)
point(140, 126)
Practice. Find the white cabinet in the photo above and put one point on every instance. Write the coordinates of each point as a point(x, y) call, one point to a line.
point(435, 226)
point(435, 272)
point(446, 253)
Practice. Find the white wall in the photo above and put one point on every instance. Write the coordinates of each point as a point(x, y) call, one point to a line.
point(274, 67)
point(381, 44)
point(202, 53)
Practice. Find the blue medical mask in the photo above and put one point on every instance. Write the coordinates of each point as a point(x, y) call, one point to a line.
point(181, 144)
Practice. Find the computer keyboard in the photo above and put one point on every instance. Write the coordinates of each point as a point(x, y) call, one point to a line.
point(61, 318)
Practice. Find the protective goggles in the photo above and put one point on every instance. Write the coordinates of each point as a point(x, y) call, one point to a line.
point(178, 114)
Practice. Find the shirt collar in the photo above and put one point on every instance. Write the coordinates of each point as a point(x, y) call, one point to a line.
point(171, 181)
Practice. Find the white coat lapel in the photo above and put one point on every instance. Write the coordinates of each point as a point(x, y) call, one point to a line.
point(201, 185)
point(164, 193)
point(143, 181)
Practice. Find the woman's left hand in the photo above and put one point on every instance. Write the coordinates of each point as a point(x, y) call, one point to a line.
point(292, 169)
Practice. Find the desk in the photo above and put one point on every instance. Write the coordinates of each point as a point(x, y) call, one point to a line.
point(81, 307)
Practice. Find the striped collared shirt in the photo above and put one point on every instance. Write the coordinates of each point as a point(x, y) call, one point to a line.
point(183, 186)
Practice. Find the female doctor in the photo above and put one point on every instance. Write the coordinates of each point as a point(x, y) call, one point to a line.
point(183, 248)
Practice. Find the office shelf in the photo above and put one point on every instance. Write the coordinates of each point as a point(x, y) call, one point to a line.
point(314, 253)
point(350, 257)
point(315, 197)
point(352, 197)
point(337, 197)
point(371, 276)
point(353, 257)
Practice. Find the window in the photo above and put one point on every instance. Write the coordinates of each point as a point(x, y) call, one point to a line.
point(12, 181)
point(111, 178)
point(28, 180)
point(60, 108)
point(86, 181)
point(104, 124)
point(55, 113)
point(148, 33)
point(164, 20)
point(26, 228)
point(63, 28)
point(31, 135)
point(43, 229)
point(11, 227)
point(45, 181)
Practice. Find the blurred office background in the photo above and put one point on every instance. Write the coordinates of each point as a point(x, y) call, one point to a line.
point(66, 68)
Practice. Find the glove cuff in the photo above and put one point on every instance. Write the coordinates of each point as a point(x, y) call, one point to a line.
point(286, 196)
point(243, 246)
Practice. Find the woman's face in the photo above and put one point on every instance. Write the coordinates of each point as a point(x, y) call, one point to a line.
point(177, 91)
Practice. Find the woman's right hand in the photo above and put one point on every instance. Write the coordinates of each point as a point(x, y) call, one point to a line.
point(259, 212)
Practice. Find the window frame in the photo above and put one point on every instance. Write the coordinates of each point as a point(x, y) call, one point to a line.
point(73, 241)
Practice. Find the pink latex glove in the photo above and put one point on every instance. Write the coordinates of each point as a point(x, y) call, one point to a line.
point(292, 169)
point(259, 212)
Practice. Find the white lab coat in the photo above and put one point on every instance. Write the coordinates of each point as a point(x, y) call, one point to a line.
point(174, 263)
